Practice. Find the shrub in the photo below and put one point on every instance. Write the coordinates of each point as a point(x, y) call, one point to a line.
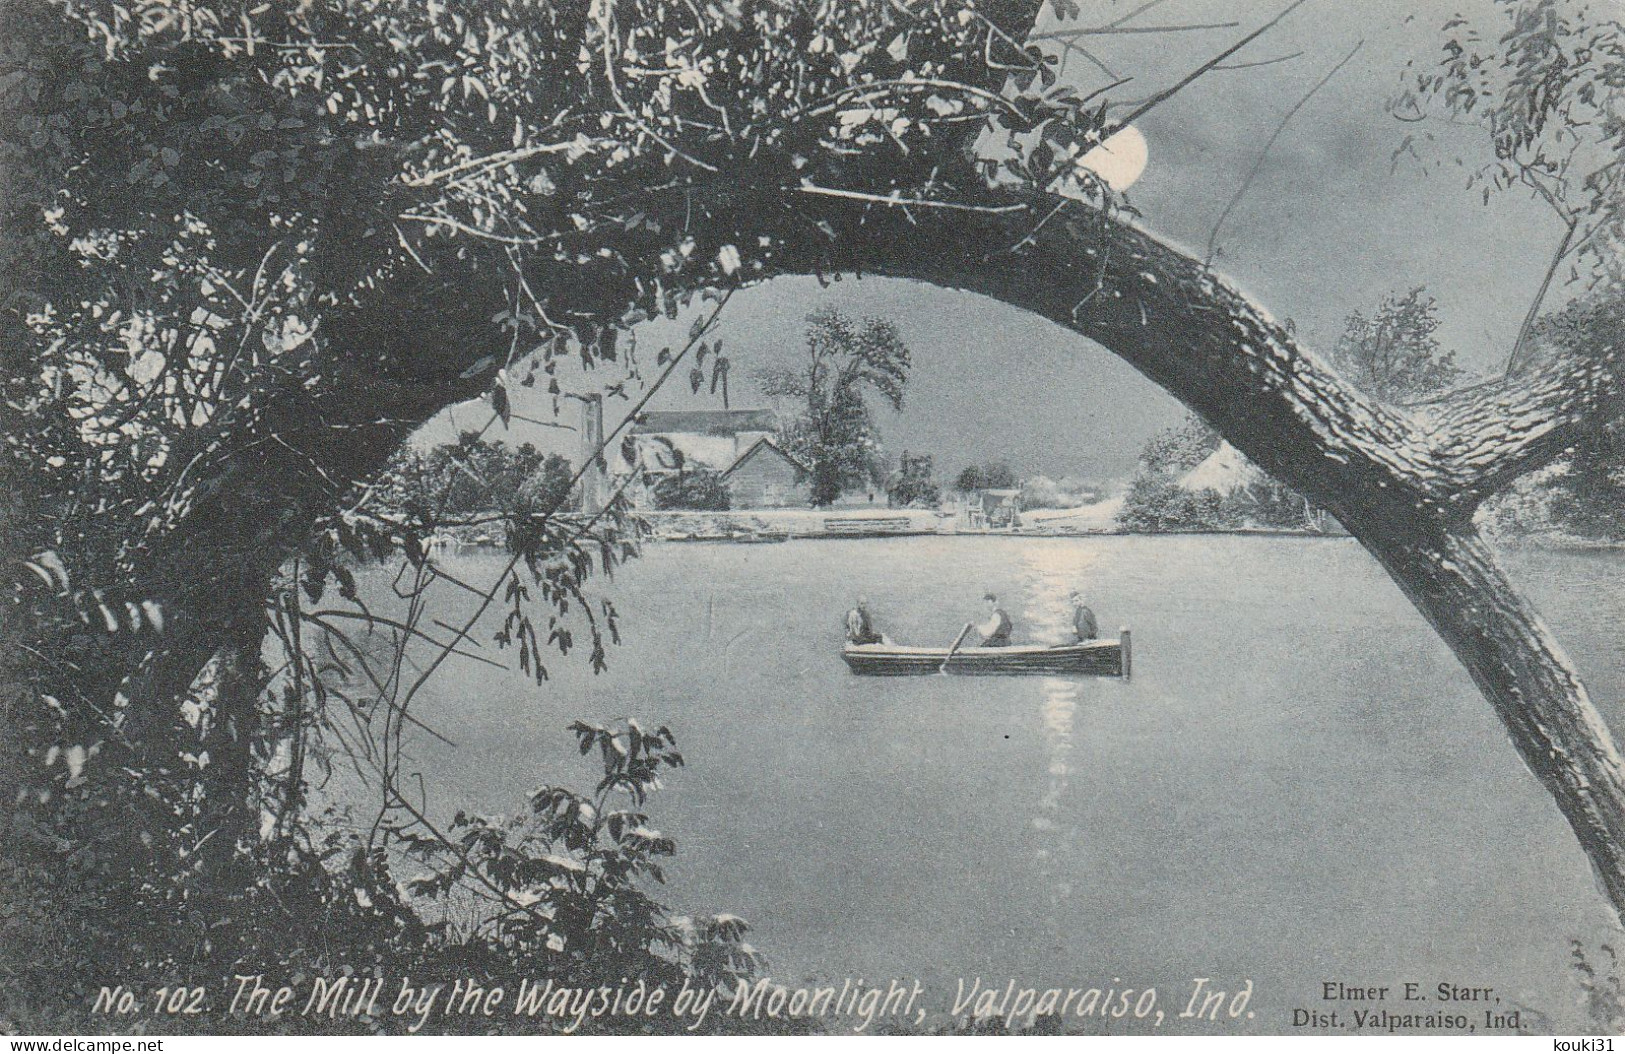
point(1603, 994)
point(696, 488)
point(995, 475)
point(914, 483)
point(1155, 503)
point(561, 892)
point(567, 881)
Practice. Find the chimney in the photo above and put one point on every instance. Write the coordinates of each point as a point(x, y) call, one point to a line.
point(594, 485)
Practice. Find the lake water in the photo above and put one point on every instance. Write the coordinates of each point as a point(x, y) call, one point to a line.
point(1299, 783)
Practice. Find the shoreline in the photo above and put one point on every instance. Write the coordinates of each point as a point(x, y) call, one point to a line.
point(758, 526)
point(1556, 545)
point(745, 539)
point(771, 526)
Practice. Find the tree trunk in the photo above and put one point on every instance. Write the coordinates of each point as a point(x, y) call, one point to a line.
point(1453, 579)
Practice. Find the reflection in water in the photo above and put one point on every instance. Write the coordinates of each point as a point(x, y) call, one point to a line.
point(1049, 577)
point(1060, 702)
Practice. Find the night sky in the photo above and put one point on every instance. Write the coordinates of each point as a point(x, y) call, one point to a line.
point(1328, 226)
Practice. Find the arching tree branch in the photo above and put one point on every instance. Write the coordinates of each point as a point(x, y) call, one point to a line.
point(1489, 435)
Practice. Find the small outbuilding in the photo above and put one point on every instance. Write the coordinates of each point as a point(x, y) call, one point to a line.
point(765, 477)
point(990, 508)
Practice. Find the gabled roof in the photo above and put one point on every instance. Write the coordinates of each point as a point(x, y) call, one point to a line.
point(706, 422)
point(759, 444)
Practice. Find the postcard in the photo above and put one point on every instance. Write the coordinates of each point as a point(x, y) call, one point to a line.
point(813, 517)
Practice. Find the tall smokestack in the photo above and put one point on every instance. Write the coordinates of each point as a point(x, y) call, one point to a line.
point(594, 484)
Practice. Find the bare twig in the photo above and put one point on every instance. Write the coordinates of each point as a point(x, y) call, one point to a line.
point(458, 225)
point(1260, 62)
point(1258, 163)
point(898, 200)
point(1032, 234)
point(861, 91)
point(1540, 295)
point(400, 236)
point(1163, 96)
point(334, 633)
point(1089, 56)
point(1115, 30)
point(374, 619)
point(1137, 12)
point(501, 157)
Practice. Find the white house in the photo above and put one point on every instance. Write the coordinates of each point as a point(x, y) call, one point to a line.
point(738, 445)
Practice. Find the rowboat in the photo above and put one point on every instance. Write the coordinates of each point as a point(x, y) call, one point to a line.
point(1101, 658)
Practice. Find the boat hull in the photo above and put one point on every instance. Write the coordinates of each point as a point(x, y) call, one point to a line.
point(1100, 658)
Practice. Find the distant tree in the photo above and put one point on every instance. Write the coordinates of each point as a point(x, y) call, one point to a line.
point(914, 482)
point(1156, 503)
point(693, 488)
point(833, 429)
point(1393, 354)
point(548, 485)
point(1586, 490)
point(1180, 448)
point(1156, 500)
point(1590, 491)
point(474, 476)
point(994, 475)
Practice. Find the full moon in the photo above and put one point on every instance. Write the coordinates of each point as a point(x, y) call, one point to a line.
point(1119, 160)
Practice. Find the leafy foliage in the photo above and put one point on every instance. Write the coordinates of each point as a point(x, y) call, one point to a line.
point(834, 430)
point(568, 879)
point(1582, 495)
point(456, 481)
point(994, 475)
point(914, 483)
point(697, 487)
point(1588, 487)
point(1156, 500)
point(1546, 83)
point(1180, 448)
point(1603, 993)
point(1157, 503)
point(1393, 355)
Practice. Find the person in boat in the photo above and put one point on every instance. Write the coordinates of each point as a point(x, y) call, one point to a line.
point(860, 627)
point(996, 627)
point(1084, 626)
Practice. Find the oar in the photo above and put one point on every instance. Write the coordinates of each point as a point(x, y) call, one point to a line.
point(962, 635)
